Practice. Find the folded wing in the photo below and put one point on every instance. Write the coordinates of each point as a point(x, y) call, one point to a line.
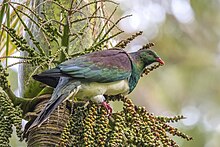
point(102, 66)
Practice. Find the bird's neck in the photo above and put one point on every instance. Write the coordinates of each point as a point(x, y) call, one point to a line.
point(133, 80)
point(138, 63)
point(137, 69)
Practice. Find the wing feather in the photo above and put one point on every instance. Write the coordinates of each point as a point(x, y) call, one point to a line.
point(102, 66)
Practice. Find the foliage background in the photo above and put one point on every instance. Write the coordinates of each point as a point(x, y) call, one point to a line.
point(186, 34)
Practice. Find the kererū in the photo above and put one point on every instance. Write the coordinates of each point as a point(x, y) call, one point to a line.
point(90, 76)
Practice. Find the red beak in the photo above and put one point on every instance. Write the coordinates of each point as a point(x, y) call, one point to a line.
point(160, 61)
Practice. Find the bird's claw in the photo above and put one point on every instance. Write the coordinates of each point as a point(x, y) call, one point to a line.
point(107, 107)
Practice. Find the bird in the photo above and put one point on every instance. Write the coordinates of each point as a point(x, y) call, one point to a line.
point(93, 75)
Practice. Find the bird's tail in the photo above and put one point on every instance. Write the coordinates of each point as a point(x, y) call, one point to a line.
point(63, 91)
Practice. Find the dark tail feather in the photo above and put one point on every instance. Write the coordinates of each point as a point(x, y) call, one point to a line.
point(45, 113)
point(64, 89)
point(51, 81)
point(50, 77)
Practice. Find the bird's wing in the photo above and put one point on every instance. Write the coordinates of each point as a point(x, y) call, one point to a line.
point(102, 66)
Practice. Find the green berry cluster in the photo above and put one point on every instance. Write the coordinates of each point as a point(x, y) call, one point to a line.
point(5, 129)
point(3, 78)
point(9, 115)
point(73, 132)
point(148, 45)
point(51, 30)
point(133, 126)
point(101, 127)
point(117, 130)
point(33, 58)
point(88, 123)
point(123, 43)
point(21, 42)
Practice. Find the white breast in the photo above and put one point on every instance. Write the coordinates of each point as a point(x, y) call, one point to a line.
point(94, 88)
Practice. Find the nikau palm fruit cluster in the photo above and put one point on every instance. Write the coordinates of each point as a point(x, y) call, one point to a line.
point(9, 116)
point(90, 126)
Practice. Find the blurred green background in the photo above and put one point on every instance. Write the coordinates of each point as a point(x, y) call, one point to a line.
point(187, 38)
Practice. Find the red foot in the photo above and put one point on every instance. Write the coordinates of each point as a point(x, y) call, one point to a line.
point(108, 108)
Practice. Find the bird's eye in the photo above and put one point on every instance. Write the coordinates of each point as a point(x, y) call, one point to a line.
point(150, 53)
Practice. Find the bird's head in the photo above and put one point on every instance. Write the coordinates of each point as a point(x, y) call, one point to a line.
point(148, 57)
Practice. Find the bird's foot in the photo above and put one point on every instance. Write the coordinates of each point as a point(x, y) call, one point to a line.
point(100, 99)
point(107, 107)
